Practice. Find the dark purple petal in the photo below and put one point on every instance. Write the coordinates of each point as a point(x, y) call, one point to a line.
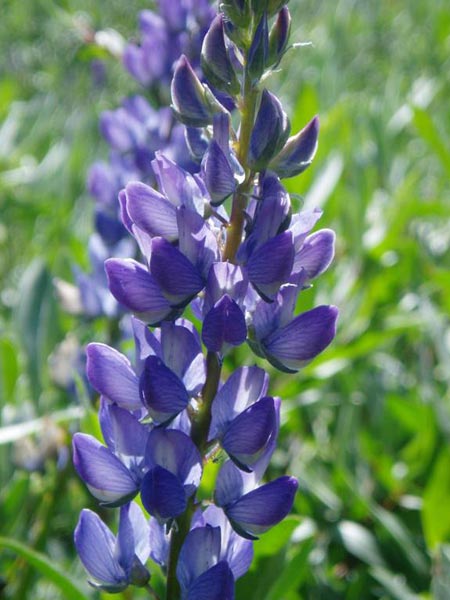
point(133, 286)
point(259, 510)
point(162, 494)
point(244, 387)
point(298, 152)
point(103, 473)
point(316, 253)
point(151, 211)
point(297, 343)
point(162, 392)
point(200, 551)
point(110, 373)
point(95, 545)
point(250, 432)
point(271, 264)
point(224, 324)
point(175, 274)
point(217, 583)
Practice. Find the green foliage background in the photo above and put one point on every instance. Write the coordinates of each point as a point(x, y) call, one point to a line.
point(365, 427)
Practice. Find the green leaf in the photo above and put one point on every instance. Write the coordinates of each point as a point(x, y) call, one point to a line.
point(45, 566)
point(293, 573)
point(274, 540)
point(394, 584)
point(9, 369)
point(435, 513)
point(360, 542)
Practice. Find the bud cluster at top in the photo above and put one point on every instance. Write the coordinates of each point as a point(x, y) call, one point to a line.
point(225, 243)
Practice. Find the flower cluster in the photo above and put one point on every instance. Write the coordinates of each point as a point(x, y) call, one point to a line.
point(221, 249)
point(142, 125)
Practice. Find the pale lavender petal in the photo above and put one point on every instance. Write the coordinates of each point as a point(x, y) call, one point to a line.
point(105, 476)
point(244, 387)
point(200, 551)
point(316, 253)
point(95, 546)
point(159, 542)
point(110, 373)
point(133, 286)
point(176, 452)
point(151, 211)
point(234, 549)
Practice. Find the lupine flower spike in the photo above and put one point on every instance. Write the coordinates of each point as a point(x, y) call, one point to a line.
point(224, 258)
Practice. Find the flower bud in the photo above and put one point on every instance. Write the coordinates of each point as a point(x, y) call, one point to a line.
point(189, 97)
point(279, 36)
point(270, 132)
point(298, 153)
point(259, 51)
point(216, 63)
point(237, 12)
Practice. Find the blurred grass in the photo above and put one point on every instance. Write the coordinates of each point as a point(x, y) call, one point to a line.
point(366, 426)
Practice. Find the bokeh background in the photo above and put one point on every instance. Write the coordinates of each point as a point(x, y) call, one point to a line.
point(366, 426)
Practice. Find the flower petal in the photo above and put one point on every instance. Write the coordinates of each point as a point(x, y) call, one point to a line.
point(271, 264)
point(245, 386)
point(250, 432)
point(296, 344)
point(175, 274)
point(217, 583)
point(259, 510)
point(95, 546)
point(162, 494)
point(162, 392)
point(316, 253)
point(105, 476)
point(200, 551)
point(151, 211)
point(224, 324)
point(133, 286)
point(110, 373)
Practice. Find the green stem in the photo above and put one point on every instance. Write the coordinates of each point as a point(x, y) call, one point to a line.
point(151, 592)
point(240, 198)
point(199, 434)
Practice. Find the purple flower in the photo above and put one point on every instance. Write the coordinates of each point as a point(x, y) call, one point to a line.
point(112, 473)
point(234, 549)
point(175, 470)
point(298, 152)
point(201, 573)
point(114, 562)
